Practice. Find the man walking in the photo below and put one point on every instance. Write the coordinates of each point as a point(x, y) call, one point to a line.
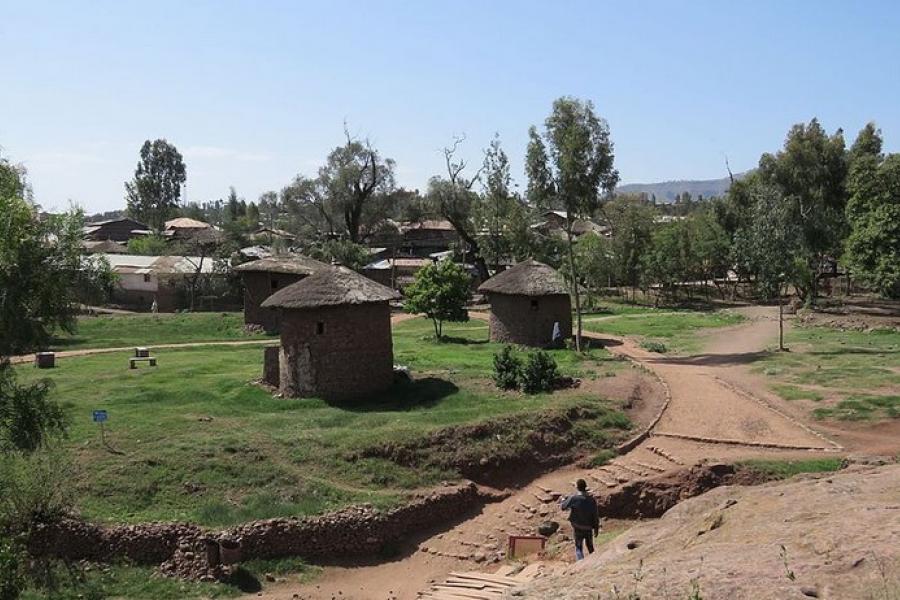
point(584, 517)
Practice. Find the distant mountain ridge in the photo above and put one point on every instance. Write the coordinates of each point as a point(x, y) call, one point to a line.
point(666, 191)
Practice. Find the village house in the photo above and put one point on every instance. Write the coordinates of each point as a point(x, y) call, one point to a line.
point(335, 336)
point(142, 279)
point(264, 277)
point(528, 301)
point(395, 272)
point(553, 222)
point(117, 230)
point(422, 238)
point(103, 247)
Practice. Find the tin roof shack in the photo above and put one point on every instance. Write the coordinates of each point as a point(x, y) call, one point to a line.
point(143, 279)
point(395, 272)
point(264, 277)
point(526, 301)
point(117, 230)
point(335, 336)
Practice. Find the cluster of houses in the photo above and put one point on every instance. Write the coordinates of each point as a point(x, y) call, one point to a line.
point(154, 281)
point(335, 324)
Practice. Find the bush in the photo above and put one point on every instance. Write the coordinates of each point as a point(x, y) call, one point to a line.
point(11, 580)
point(507, 369)
point(658, 347)
point(37, 488)
point(539, 374)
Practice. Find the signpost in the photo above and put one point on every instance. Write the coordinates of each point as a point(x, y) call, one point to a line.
point(101, 417)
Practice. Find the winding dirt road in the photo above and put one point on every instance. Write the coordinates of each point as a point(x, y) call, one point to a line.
point(709, 415)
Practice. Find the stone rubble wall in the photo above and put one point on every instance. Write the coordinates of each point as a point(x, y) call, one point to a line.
point(179, 548)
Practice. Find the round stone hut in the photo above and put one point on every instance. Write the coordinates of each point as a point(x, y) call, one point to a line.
point(264, 277)
point(335, 336)
point(527, 300)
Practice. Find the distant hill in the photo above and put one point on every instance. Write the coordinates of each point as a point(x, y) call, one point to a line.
point(666, 191)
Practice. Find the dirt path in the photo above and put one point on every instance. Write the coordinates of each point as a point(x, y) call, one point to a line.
point(707, 417)
point(29, 358)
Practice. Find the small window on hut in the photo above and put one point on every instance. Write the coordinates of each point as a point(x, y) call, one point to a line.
point(146, 277)
point(534, 304)
point(274, 284)
point(320, 328)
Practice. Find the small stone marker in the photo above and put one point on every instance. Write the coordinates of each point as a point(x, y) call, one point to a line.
point(141, 352)
point(45, 360)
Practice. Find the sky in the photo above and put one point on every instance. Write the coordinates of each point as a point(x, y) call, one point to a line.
point(253, 93)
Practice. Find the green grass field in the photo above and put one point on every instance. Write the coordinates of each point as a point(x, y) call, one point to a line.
point(676, 331)
point(849, 375)
point(199, 442)
point(120, 331)
point(782, 469)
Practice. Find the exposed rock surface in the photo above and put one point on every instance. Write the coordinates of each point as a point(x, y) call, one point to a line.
point(841, 534)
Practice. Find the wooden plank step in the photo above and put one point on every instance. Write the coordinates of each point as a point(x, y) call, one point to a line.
point(464, 593)
point(651, 467)
point(487, 577)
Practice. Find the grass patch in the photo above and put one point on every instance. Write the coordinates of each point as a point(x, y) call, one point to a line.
point(861, 367)
point(200, 443)
point(601, 458)
point(674, 330)
point(861, 408)
point(122, 581)
point(792, 392)
point(120, 331)
point(77, 582)
point(782, 469)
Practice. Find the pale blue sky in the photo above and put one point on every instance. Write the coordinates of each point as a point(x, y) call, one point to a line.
point(254, 92)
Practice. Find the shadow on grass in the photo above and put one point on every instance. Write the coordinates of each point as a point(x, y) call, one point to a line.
point(60, 343)
point(449, 339)
point(714, 360)
point(245, 581)
point(418, 393)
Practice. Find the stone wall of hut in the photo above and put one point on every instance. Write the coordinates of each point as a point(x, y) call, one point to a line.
point(337, 351)
point(528, 320)
point(259, 285)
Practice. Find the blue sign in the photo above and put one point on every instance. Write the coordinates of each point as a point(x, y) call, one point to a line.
point(100, 416)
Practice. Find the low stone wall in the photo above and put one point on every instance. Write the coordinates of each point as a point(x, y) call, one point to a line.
point(179, 548)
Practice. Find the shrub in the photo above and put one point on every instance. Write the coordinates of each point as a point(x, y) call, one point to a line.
point(37, 488)
point(507, 369)
point(11, 580)
point(658, 347)
point(539, 374)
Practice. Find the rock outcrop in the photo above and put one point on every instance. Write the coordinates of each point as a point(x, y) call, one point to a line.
point(833, 535)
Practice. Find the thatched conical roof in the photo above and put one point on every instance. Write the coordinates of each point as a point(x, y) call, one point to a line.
point(330, 286)
point(528, 278)
point(295, 264)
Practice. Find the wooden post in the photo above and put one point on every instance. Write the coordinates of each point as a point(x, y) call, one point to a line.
point(781, 319)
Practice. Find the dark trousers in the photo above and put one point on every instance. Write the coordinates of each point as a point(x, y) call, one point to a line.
point(583, 537)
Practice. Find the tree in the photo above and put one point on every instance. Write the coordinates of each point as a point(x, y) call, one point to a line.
point(341, 252)
point(154, 192)
point(149, 245)
point(440, 292)
point(570, 166)
point(43, 277)
point(810, 172)
point(631, 222)
point(772, 246)
point(595, 260)
point(351, 195)
point(498, 214)
point(873, 213)
point(454, 199)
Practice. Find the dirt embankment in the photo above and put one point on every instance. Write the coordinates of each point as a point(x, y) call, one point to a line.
point(833, 535)
point(509, 450)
